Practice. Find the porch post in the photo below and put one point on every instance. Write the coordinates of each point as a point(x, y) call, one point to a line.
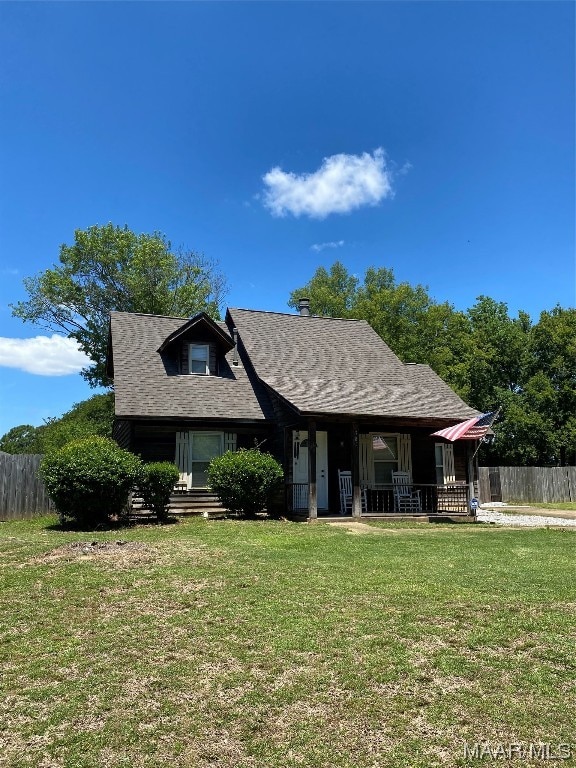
point(356, 499)
point(312, 494)
point(471, 466)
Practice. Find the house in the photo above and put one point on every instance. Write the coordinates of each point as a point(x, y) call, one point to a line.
point(323, 395)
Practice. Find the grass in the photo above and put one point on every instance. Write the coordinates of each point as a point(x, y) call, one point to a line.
point(569, 506)
point(251, 644)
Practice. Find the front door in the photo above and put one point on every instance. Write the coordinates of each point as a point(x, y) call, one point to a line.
point(300, 466)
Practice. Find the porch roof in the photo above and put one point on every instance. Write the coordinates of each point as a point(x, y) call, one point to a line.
point(338, 367)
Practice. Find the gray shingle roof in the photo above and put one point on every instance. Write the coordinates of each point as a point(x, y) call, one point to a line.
point(332, 366)
point(146, 385)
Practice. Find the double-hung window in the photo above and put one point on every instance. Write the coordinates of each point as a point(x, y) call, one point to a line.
point(199, 358)
point(385, 458)
point(444, 454)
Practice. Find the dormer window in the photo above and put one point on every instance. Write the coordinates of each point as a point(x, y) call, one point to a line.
point(199, 359)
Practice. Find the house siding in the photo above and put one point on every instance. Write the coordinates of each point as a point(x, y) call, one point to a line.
point(157, 442)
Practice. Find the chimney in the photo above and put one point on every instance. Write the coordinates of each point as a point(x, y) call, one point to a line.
point(235, 353)
point(304, 307)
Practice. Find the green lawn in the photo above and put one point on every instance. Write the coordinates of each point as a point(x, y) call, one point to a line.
point(569, 506)
point(237, 644)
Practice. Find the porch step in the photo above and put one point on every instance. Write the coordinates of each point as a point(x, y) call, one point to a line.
point(194, 502)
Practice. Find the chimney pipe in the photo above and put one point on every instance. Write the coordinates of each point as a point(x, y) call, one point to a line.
point(304, 307)
point(235, 352)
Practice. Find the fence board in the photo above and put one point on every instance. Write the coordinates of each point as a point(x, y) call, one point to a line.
point(527, 484)
point(22, 492)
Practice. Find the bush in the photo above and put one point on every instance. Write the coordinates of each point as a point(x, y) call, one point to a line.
point(89, 480)
point(156, 485)
point(244, 481)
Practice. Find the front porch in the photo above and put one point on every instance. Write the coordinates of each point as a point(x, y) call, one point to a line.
point(381, 501)
point(438, 478)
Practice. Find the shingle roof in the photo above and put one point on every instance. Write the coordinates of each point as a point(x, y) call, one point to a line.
point(332, 366)
point(145, 386)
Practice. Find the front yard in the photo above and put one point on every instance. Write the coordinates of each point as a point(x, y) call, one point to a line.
point(261, 644)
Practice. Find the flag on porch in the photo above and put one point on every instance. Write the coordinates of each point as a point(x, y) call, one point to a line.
point(379, 444)
point(472, 429)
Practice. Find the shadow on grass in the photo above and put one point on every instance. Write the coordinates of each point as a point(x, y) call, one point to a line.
point(111, 525)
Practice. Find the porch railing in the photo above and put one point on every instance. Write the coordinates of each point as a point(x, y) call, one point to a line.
point(297, 497)
point(453, 497)
point(381, 499)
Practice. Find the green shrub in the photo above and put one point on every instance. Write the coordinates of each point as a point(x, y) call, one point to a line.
point(156, 485)
point(244, 481)
point(89, 479)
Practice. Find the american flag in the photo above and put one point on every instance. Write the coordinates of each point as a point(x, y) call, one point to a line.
point(473, 429)
point(379, 444)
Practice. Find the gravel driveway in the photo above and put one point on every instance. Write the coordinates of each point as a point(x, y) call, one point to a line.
point(532, 517)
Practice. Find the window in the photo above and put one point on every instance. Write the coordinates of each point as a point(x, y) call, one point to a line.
point(199, 358)
point(194, 450)
point(444, 455)
point(382, 453)
point(204, 447)
point(385, 458)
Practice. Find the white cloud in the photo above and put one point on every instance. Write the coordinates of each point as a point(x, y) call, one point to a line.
point(332, 244)
point(42, 355)
point(341, 184)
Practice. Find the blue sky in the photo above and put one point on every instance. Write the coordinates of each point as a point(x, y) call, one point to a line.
point(435, 138)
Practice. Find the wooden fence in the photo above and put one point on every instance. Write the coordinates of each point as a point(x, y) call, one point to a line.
point(527, 484)
point(22, 492)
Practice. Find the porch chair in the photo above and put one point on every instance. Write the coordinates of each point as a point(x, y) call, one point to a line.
point(345, 483)
point(406, 499)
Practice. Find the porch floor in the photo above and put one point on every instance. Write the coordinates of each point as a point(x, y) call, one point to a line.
point(365, 516)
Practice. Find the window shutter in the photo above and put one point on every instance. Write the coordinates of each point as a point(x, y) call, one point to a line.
point(405, 454)
point(366, 464)
point(182, 456)
point(229, 441)
point(448, 456)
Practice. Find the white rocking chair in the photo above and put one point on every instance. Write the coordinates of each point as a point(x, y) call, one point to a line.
point(345, 483)
point(406, 499)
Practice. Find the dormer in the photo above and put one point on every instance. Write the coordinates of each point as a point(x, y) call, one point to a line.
point(198, 347)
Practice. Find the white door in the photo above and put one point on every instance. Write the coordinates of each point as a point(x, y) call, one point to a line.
point(300, 466)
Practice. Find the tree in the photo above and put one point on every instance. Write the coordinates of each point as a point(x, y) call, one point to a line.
point(112, 268)
point(89, 417)
point(21, 439)
point(417, 328)
point(529, 371)
point(92, 417)
point(497, 356)
point(552, 368)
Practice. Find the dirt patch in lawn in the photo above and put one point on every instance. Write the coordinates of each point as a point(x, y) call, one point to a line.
point(119, 553)
point(357, 529)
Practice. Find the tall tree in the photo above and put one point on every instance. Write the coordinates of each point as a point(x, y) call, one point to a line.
point(112, 268)
point(552, 365)
point(417, 328)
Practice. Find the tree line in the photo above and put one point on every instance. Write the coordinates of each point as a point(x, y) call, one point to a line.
point(494, 361)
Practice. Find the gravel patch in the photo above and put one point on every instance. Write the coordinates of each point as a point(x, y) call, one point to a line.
point(529, 521)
